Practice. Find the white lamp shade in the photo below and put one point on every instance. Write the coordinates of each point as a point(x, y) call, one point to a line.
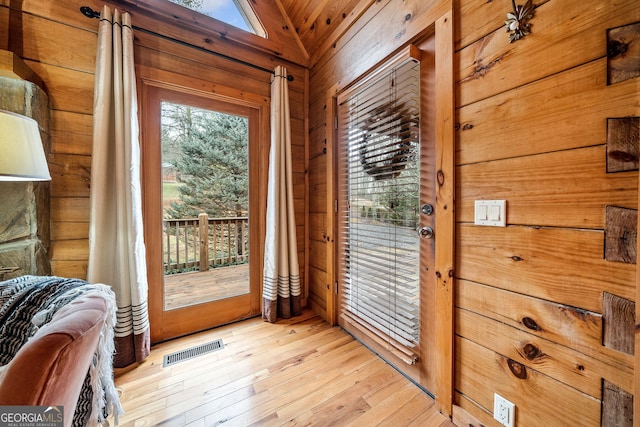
point(22, 157)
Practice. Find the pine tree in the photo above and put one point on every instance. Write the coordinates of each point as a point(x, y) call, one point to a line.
point(191, 4)
point(212, 161)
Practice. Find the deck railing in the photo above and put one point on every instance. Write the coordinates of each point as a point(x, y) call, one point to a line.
point(198, 244)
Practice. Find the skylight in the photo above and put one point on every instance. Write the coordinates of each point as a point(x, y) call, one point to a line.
point(233, 12)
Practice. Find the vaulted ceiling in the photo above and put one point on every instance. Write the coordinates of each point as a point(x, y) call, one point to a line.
point(319, 22)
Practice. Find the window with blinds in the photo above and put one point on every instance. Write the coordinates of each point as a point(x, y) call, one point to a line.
point(378, 189)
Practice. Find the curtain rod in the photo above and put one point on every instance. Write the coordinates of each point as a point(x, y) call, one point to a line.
point(90, 13)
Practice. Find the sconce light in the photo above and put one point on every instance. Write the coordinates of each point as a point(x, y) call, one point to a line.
point(22, 157)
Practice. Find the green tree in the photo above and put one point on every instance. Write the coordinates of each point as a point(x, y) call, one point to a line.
point(191, 4)
point(211, 163)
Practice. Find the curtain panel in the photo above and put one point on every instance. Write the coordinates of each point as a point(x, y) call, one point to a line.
point(116, 245)
point(281, 291)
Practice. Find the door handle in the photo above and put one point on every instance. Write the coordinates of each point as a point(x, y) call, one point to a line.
point(425, 232)
point(427, 209)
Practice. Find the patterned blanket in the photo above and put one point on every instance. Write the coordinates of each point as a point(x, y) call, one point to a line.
point(29, 302)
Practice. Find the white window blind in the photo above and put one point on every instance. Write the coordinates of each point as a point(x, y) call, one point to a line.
point(378, 190)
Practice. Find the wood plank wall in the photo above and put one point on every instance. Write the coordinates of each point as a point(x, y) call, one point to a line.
point(532, 128)
point(59, 44)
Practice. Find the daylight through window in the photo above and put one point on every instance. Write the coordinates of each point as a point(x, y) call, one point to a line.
point(233, 12)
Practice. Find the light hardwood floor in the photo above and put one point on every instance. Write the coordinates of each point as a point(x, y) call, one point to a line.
point(297, 372)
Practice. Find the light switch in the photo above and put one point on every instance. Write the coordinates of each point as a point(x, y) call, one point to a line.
point(490, 212)
point(482, 212)
point(494, 214)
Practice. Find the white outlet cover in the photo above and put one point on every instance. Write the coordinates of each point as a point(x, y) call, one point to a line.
point(503, 411)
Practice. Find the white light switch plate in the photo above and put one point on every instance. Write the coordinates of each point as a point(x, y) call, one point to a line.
point(491, 212)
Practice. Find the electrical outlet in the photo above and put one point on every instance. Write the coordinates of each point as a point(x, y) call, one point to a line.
point(504, 411)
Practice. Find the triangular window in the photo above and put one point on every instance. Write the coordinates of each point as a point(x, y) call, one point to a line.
point(233, 12)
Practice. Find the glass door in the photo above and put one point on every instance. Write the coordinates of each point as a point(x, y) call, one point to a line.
point(383, 206)
point(198, 154)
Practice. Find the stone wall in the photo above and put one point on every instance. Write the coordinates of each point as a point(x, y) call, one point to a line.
point(24, 206)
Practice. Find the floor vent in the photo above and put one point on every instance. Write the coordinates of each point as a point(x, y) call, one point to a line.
point(190, 353)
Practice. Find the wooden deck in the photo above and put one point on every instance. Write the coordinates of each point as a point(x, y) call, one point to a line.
point(181, 290)
point(297, 372)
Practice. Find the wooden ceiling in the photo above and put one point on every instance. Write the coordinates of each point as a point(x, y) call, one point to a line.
point(298, 30)
point(318, 23)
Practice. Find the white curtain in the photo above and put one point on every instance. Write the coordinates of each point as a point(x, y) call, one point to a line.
point(116, 246)
point(281, 290)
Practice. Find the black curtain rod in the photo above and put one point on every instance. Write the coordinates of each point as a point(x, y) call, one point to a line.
point(90, 13)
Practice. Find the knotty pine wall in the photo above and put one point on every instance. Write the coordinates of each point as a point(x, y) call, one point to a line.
point(533, 299)
point(59, 44)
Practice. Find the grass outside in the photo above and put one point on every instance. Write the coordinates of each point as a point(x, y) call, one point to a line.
point(170, 190)
point(170, 194)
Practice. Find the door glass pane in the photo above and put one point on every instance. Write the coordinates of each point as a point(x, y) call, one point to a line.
point(379, 183)
point(205, 194)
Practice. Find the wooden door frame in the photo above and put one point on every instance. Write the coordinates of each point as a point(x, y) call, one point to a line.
point(636, 330)
point(444, 210)
point(148, 80)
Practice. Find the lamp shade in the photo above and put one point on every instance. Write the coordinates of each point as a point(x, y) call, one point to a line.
point(22, 157)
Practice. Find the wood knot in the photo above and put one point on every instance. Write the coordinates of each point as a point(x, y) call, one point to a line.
point(438, 275)
point(616, 48)
point(530, 323)
point(440, 177)
point(328, 21)
point(516, 258)
point(622, 156)
point(531, 352)
point(467, 126)
point(208, 41)
point(407, 17)
point(517, 369)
